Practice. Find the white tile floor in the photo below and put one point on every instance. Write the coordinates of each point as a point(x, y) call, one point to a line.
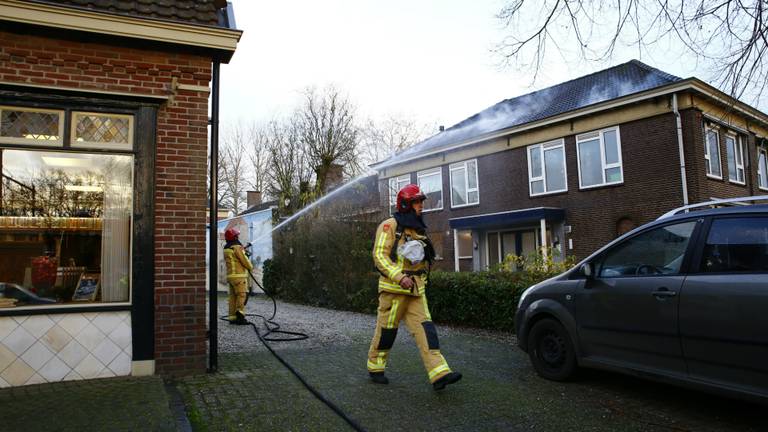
point(48, 348)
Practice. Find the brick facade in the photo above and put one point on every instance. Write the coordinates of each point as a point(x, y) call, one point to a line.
point(652, 184)
point(181, 164)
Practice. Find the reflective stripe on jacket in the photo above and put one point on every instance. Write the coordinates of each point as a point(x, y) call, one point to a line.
point(392, 272)
point(238, 265)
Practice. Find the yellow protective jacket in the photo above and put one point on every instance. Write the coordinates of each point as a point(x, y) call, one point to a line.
point(238, 265)
point(394, 270)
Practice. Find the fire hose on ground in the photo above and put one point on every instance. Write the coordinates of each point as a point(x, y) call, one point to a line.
point(274, 328)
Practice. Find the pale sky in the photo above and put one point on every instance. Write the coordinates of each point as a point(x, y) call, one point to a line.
point(426, 59)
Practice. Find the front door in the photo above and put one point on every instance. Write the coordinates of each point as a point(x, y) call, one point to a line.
point(724, 306)
point(627, 314)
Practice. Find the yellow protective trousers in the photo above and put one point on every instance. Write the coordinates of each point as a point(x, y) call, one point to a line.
point(393, 308)
point(238, 290)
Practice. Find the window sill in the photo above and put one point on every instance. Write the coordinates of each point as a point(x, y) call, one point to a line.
point(714, 177)
point(432, 210)
point(738, 183)
point(763, 188)
point(465, 205)
point(64, 309)
point(621, 183)
point(530, 195)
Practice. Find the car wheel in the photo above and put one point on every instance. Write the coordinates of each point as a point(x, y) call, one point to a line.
point(551, 350)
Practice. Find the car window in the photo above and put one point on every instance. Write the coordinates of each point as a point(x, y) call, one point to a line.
point(736, 245)
point(656, 252)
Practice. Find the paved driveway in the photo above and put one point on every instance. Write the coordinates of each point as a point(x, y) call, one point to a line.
point(499, 391)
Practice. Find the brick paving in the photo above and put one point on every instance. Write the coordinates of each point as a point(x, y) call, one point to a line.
point(253, 391)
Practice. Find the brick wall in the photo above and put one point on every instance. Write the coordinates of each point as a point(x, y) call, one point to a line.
point(651, 187)
point(180, 200)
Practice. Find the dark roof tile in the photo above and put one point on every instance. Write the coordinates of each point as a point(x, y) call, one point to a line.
point(188, 11)
point(612, 83)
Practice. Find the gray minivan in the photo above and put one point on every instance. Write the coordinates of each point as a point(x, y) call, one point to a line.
point(682, 299)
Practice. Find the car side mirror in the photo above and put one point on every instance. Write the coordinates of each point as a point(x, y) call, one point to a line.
point(587, 269)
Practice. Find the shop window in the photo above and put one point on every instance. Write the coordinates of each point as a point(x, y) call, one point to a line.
point(31, 126)
point(65, 227)
point(431, 184)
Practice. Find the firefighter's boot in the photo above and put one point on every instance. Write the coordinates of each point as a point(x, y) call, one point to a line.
point(378, 378)
point(449, 378)
point(240, 319)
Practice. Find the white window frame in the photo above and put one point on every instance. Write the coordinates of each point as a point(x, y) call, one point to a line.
point(36, 142)
point(428, 173)
point(393, 184)
point(588, 136)
point(707, 156)
point(550, 145)
point(738, 148)
point(464, 165)
point(762, 176)
point(100, 145)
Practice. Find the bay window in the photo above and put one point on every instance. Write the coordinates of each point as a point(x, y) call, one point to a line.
point(599, 158)
point(546, 168)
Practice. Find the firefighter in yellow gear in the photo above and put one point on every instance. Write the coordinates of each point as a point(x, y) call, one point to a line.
point(402, 284)
point(238, 268)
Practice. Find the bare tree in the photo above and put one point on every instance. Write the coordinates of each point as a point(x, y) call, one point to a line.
point(327, 129)
point(258, 155)
point(232, 168)
point(381, 138)
point(730, 36)
point(286, 163)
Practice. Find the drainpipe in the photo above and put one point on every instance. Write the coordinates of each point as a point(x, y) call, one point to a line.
point(680, 148)
point(213, 243)
point(456, 250)
point(543, 227)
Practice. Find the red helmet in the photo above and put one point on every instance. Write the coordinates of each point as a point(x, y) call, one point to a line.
point(231, 234)
point(407, 196)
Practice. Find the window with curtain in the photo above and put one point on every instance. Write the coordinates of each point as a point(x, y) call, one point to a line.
point(65, 217)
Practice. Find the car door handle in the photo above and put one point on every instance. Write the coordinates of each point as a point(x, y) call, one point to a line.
point(663, 292)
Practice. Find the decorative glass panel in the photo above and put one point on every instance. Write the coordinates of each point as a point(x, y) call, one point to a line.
point(102, 128)
point(31, 125)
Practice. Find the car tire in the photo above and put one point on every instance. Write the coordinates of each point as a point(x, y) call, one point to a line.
point(551, 350)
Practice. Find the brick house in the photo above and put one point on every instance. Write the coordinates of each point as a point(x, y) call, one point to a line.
point(103, 198)
point(579, 163)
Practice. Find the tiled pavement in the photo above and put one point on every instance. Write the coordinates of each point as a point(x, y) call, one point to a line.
point(253, 392)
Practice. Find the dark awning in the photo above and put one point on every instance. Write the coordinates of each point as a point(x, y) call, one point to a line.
point(506, 219)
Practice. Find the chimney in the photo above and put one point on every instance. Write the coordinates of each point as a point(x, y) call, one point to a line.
point(442, 128)
point(334, 178)
point(253, 198)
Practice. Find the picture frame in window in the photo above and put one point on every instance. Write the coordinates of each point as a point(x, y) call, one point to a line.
point(87, 287)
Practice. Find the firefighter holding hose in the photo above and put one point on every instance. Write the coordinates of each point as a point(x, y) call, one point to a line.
point(402, 253)
point(238, 268)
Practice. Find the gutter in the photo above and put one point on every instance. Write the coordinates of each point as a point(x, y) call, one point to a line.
point(679, 127)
